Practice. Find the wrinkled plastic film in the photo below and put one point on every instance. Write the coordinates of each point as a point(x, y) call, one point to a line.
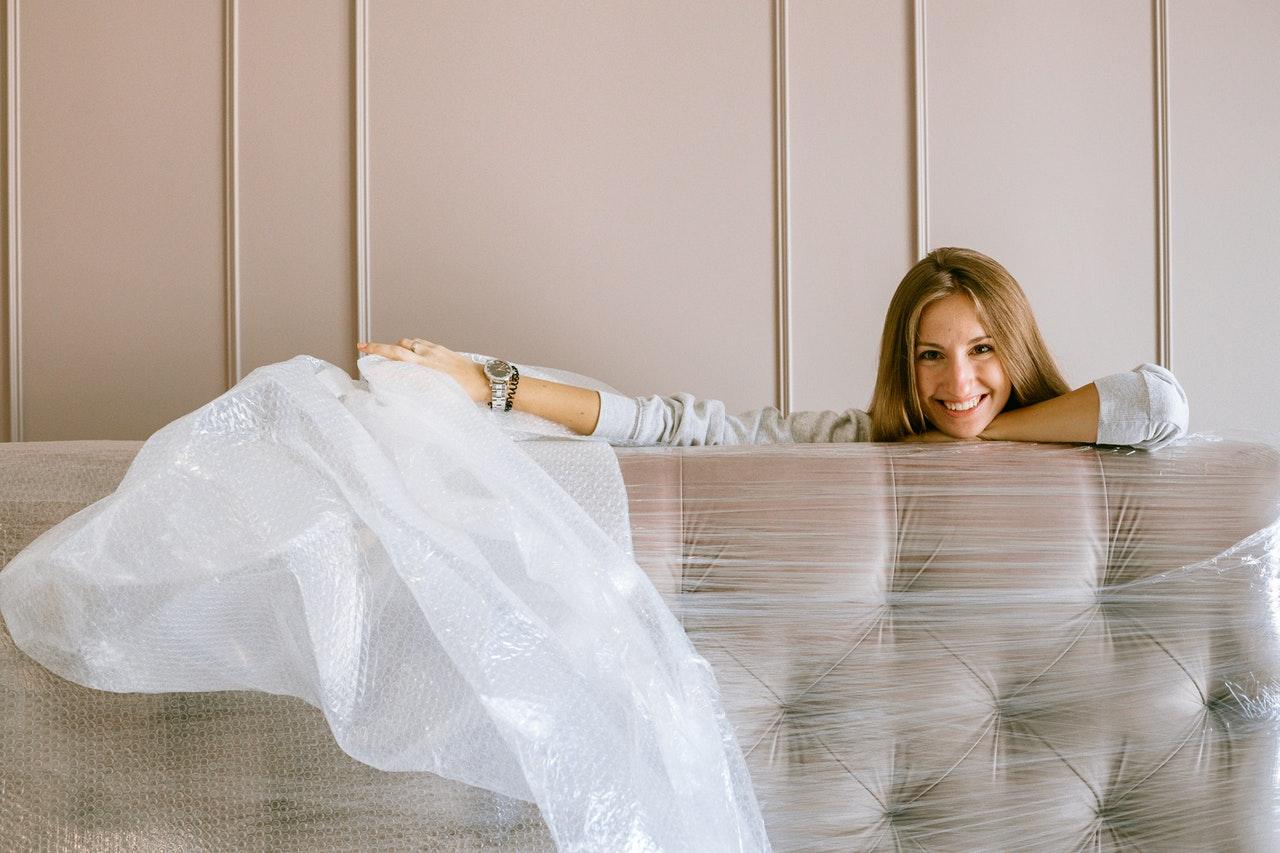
point(980, 646)
point(986, 646)
point(384, 553)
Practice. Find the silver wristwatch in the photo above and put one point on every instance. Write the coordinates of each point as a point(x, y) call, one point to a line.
point(502, 378)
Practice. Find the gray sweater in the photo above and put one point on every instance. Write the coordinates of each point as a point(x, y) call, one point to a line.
point(1144, 408)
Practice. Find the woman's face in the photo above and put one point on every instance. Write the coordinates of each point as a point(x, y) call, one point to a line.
point(959, 376)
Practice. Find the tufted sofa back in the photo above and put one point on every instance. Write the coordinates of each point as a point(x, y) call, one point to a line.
point(985, 646)
point(978, 647)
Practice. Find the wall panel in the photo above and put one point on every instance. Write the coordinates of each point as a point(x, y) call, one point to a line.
point(1041, 153)
point(296, 237)
point(588, 185)
point(121, 215)
point(1224, 119)
point(592, 185)
point(850, 177)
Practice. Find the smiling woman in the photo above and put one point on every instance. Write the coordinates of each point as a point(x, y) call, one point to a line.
point(961, 358)
point(976, 354)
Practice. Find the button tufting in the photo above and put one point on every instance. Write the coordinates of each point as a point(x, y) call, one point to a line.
point(1221, 702)
point(1007, 706)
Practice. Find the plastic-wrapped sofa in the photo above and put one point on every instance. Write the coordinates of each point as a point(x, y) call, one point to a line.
point(968, 647)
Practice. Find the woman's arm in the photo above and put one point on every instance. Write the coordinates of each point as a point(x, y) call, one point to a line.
point(1144, 408)
point(679, 420)
point(576, 408)
point(1072, 417)
point(682, 420)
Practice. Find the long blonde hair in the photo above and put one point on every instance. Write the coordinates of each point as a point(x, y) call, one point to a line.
point(1005, 314)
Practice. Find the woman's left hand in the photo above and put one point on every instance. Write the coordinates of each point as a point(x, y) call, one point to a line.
point(467, 373)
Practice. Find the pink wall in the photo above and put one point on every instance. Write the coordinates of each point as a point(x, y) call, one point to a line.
point(715, 197)
point(587, 185)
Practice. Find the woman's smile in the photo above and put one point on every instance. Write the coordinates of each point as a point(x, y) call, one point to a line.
point(963, 408)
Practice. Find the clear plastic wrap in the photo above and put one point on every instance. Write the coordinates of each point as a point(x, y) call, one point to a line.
point(965, 647)
point(385, 553)
point(986, 646)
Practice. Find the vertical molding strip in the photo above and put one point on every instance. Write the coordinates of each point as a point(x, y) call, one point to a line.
point(921, 134)
point(231, 185)
point(1164, 347)
point(782, 204)
point(14, 231)
point(364, 320)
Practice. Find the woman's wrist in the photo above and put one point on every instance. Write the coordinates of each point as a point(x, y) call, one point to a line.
point(485, 390)
point(476, 383)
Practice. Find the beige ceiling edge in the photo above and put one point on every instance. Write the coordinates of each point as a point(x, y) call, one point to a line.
point(360, 129)
point(12, 161)
point(231, 173)
point(782, 205)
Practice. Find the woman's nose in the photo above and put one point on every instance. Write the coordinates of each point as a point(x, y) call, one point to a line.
point(960, 375)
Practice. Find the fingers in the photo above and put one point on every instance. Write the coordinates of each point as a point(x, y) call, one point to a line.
point(420, 346)
point(391, 351)
point(407, 349)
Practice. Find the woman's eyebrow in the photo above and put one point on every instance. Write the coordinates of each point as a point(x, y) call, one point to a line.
point(939, 346)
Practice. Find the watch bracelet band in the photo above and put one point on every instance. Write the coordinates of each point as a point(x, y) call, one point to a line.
point(497, 390)
point(511, 387)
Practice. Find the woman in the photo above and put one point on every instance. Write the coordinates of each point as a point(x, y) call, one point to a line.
point(374, 549)
point(961, 358)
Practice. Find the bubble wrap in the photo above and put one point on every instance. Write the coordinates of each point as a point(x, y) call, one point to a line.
point(382, 551)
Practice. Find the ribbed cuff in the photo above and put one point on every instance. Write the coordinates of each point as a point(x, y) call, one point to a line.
point(618, 416)
point(1123, 403)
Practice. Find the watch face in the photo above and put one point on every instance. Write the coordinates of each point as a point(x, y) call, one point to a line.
point(498, 370)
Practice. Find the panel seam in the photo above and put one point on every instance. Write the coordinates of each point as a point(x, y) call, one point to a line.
point(1164, 346)
point(231, 188)
point(782, 206)
point(360, 130)
point(13, 230)
point(921, 129)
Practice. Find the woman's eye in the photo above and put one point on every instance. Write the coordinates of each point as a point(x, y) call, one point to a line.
point(930, 355)
point(982, 349)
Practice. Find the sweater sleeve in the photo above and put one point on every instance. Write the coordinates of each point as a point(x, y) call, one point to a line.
point(684, 421)
point(1145, 408)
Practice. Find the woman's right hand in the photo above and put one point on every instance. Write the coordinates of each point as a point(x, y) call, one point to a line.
point(467, 373)
point(576, 408)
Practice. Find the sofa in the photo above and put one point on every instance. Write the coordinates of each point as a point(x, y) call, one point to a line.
point(961, 647)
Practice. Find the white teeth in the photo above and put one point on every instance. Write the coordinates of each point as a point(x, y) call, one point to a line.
point(962, 407)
